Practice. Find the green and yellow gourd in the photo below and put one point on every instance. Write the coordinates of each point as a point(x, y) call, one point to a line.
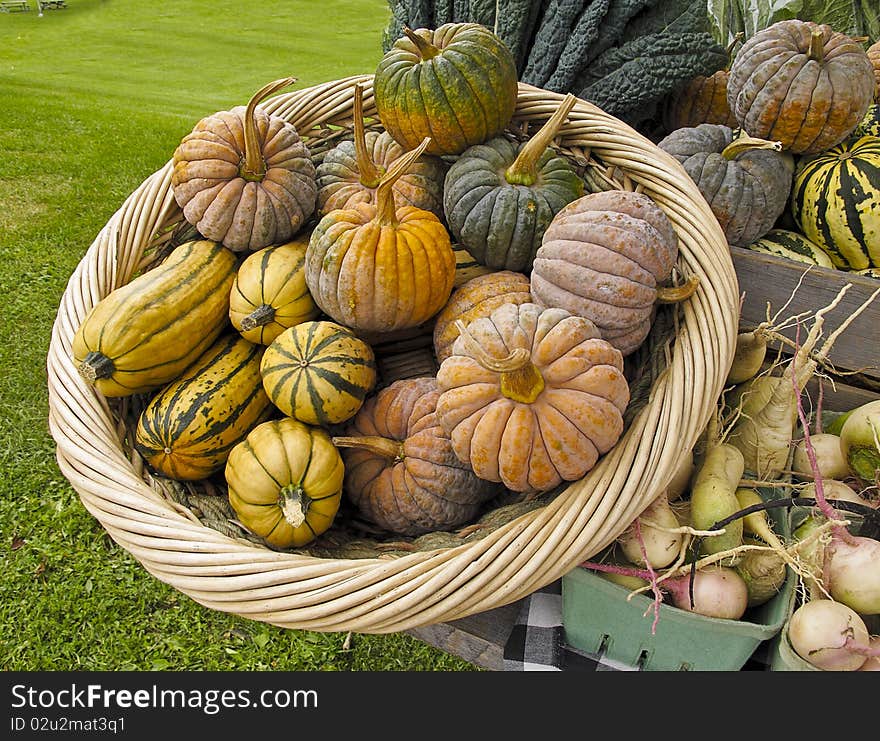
point(145, 333)
point(793, 246)
point(189, 427)
point(836, 202)
point(500, 196)
point(870, 124)
point(318, 372)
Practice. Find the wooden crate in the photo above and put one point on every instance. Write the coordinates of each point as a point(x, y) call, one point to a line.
point(769, 279)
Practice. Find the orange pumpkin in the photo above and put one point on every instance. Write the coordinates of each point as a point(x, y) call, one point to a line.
point(377, 268)
point(531, 397)
point(400, 470)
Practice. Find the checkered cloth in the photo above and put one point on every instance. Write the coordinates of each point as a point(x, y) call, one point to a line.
point(537, 641)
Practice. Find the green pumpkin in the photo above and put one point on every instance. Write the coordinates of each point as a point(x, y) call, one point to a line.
point(456, 84)
point(500, 197)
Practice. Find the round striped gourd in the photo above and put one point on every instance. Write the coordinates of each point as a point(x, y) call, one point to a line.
point(456, 84)
point(466, 267)
point(318, 372)
point(270, 294)
point(145, 333)
point(500, 196)
point(745, 181)
point(244, 177)
point(836, 202)
point(400, 470)
point(870, 124)
point(793, 246)
point(478, 297)
point(531, 397)
point(802, 84)
point(284, 482)
point(377, 268)
point(603, 258)
point(352, 170)
point(189, 427)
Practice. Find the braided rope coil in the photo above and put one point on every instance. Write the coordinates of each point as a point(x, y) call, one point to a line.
point(390, 594)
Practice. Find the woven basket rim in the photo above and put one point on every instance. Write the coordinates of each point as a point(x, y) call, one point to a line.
point(383, 595)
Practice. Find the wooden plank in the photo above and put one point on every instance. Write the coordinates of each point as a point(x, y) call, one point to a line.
point(771, 279)
point(479, 639)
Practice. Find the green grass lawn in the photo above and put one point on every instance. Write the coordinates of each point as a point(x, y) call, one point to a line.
point(94, 99)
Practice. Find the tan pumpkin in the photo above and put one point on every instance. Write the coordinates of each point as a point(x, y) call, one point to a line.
point(802, 84)
point(377, 268)
point(531, 397)
point(603, 258)
point(400, 470)
point(285, 482)
point(269, 293)
point(874, 56)
point(244, 177)
point(478, 297)
point(350, 172)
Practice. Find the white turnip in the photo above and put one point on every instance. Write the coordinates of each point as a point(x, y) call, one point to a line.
point(860, 441)
point(852, 573)
point(830, 459)
point(829, 635)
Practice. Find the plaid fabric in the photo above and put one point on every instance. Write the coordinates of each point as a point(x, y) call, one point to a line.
point(537, 641)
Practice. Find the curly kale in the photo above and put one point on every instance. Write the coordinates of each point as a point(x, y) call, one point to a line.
point(577, 46)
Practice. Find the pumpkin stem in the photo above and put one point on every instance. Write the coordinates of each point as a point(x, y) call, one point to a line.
point(263, 314)
point(369, 173)
point(95, 366)
point(384, 446)
point(425, 48)
point(817, 46)
point(740, 35)
point(386, 212)
point(523, 171)
point(520, 378)
point(253, 166)
point(677, 294)
point(294, 504)
point(747, 143)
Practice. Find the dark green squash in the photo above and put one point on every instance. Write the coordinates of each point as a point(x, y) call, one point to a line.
point(456, 84)
point(746, 181)
point(500, 196)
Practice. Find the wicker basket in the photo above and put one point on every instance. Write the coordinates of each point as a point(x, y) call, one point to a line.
point(392, 587)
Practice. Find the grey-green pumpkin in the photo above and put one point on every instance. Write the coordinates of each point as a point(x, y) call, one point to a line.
point(745, 180)
point(500, 196)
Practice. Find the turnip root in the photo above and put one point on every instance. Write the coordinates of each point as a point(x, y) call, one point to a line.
point(835, 489)
point(872, 664)
point(829, 635)
point(829, 457)
point(713, 497)
point(860, 441)
point(718, 591)
point(853, 573)
point(748, 356)
point(763, 571)
point(657, 540)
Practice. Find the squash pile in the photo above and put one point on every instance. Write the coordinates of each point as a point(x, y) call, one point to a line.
point(795, 168)
point(255, 347)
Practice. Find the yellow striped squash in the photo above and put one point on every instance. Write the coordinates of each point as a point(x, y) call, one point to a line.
point(189, 427)
point(792, 245)
point(870, 124)
point(144, 334)
point(269, 293)
point(466, 267)
point(285, 482)
point(318, 372)
point(836, 202)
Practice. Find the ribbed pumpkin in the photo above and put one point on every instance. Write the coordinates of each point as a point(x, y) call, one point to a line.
point(189, 427)
point(702, 100)
point(285, 482)
point(145, 333)
point(270, 294)
point(377, 268)
point(318, 372)
point(745, 180)
point(793, 246)
point(478, 297)
point(500, 196)
point(874, 57)
point(456, 84)
point(531, 397)
point(802, 84)
point(352, 170)
point(244, 177)
point(400, 470)
point(603, 258)
point(836, 202)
